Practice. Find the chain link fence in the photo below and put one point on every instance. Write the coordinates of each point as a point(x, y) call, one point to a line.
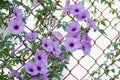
point(81, 66)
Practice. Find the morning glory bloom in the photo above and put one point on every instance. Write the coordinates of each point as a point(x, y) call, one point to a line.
point(76, 9)
point(30, 68)
point(92, 24)
point(16, 26)
point(17, 13)
point(83, 15)
point(56, 49)
point(41, 67)
point(73, 28)
point(44, 77)
point(47, 44)
point(14, 73)
point(77, 35)
point(31, 36)
point(86, 38)
point(67, 6)
point(86, 47)
point(86, 44)
point(41, 56)
point(71, 44)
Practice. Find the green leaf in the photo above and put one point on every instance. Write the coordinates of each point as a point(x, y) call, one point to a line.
point(62, 48)
point(5, 5)
point(109, 55)
point(17, 2)
point(0, 22)
point(65, 66)
point(6, 52)
point(2, 15)
point(103, 1)
point(63, 25)
point(102, 31)
point(58, 77)
point(103, 23)
point(93, 73)
point(1, 45)
point(7, 37)
point(8, 44)
point(113, 70)
point(119, 72)
point(106, 71)
point(1, 54)
point(61, 68)
point(115, 45)
point(9, 67)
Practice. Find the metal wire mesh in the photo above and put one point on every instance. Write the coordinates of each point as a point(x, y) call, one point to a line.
point(81, 66)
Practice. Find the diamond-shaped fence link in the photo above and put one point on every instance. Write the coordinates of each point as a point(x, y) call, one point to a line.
point(81, 66)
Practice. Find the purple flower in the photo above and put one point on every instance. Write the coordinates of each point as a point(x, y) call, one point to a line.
point(17, 13)
point(86, 47)
point(67, 3)
point(57, 36)
point(16, 26)
point(44, 77)
point(41, 67)
point(86, 44)
point(35, 2)
point(73, 28)
point(47, 44)
point(31, 36)
point(15, 73)
point(67, 6)
point(71, 44)
point(77, 35)
point(76, 9)
point(56, 49)
point(92, 24)
point(86, 38)
point(41, 56)
point(30, 68)
point(83, 15)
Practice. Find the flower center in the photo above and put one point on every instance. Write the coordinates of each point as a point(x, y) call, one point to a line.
point(73, 29)
point(39, 68)
point(76, 10)
point(46, 45)
point(16, 27)
point(83, 16)
point(39, 57)
point(83, 47)
point(54, 49)
point(15, 13)
point(31, 70)
point(71, 44)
